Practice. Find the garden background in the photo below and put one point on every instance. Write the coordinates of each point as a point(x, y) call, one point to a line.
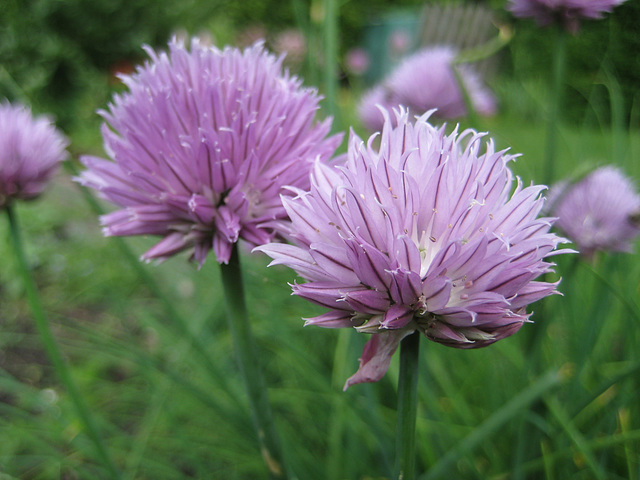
point(148, 344)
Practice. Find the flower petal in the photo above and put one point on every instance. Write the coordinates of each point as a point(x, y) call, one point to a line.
point(376, 356)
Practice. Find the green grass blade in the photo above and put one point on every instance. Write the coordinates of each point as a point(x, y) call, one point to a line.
point(536, 390)
point(53, 351)
point(575, 436)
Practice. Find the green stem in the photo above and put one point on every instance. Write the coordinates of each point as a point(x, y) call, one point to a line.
point(337, 419)
point(331, 60)
point(52, 348)
point(472, 115)
point(305, 25)
point(407, 407)
point(555, 101)
point(248, 360)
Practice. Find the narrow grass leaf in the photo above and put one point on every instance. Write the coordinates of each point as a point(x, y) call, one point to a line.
point(534, 391)
point(575, 436)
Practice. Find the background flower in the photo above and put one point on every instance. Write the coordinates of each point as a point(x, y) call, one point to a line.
point(201, 146)
point(599, 212)
point(292, 43)
point(369, 107)
point(357, 61)
point(426, 233)
point(424, 81)
point(31, 149)
point(565, 12)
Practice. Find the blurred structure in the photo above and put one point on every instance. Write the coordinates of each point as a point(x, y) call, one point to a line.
point(397, 34)
point(463, 26)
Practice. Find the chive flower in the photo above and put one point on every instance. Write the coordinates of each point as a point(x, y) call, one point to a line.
point(567, 13)
point(31, 149)
point(200, 147)
point(428, 79)
point(601, 211)
point(423, 233)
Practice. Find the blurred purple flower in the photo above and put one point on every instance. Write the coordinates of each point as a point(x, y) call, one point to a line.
point(292, 43)
point(399, 42)
point(567, 13)
point(31, 148)
point(424, 81)
point(369, 107)
point(201, 146)
point(424, 234)
point(599, 212)
point(357, 61)
point(250, 35)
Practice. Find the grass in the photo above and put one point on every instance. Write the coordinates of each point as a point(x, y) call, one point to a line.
point(565, 410)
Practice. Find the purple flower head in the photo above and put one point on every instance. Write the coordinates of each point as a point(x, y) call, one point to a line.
point(567, 13)
point(201, 146)
point(31, 148)
point(426, 80)
point(424, 234)
point(599, 212)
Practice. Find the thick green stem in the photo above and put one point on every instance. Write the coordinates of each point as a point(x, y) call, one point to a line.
point(249, 362)
point(52, 348)
point(337, 419)
point(407, 408)
point(555, 103)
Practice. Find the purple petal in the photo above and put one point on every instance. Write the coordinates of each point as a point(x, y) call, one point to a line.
point(376, 356)
point(397, 316)
point(370, 265)
point(367, 301)
point(333, 319)
point(327, 294)
point(168, 246)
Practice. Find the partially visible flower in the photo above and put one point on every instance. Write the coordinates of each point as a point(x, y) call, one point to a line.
point(424, 234)
point(201, 146)
point(427, 80)
point(567, 13)
point(292, 43)
point(599, 212)
point(250, 35)
point(369, 107)
point(357, 61)
point(31, 148)
point(399, 42)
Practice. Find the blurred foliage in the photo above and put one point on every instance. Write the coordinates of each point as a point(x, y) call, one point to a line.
point(61, 55)
point(600, 52)
point(56, 53)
